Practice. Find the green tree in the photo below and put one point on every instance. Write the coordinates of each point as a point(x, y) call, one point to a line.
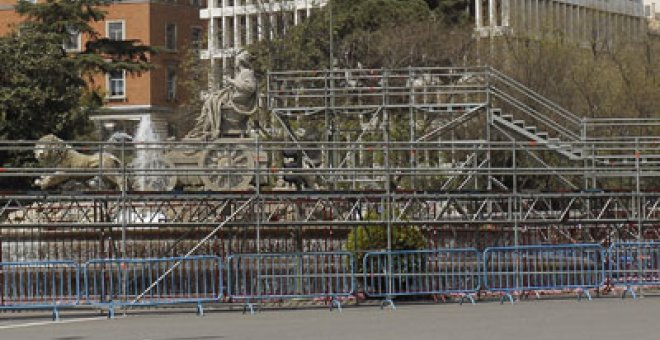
point(372, 237)
point(46, 87)
point(354, 22)
point(194, 81)
point(100, 54)
point(43, 88)
point(39, 88)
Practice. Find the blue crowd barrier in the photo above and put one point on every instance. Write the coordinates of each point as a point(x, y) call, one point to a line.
point(634, 264)
point(533, 268)
point(258, 277)
point(111, 283)
point(421, 272)
point(116, 283)
point(40, 285)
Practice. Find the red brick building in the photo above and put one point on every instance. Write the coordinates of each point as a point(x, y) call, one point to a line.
point(173, 25)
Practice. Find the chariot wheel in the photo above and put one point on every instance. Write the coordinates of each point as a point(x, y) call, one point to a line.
point(159, 180)
point(236, 160)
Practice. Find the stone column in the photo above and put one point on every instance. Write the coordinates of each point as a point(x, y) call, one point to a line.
point(477, 14)
point(506, 13)
point(492, 14)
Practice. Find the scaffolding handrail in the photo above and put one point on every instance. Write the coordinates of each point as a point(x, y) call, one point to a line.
point(573, 118)
point(548, 122)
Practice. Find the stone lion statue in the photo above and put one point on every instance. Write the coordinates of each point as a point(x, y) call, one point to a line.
point(52, 151)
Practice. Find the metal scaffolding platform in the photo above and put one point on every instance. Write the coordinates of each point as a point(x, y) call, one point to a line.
point(466, 155)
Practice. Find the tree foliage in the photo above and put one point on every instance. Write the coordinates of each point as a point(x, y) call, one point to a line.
point(40, 89)
point(44, 89)
point(43, 84)
point(374, 237)
point(374, 33)
point(99, 54)
point(619, 78)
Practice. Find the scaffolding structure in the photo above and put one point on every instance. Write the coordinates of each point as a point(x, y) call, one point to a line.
point(468, 156)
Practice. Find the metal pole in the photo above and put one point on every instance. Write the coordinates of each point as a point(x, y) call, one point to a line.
point(516, 214)
point(388, 186)
point(99, 183)
point(333, 138)
point(124, 222)
point(640, 206)
point(413, 153)
point(331, 34)
point(258, 191)
point(489, 122)
point(123, 199)
point(515, 168)
point(258, 213)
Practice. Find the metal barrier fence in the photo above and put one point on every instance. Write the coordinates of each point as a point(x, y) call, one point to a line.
point(634, 264)
point(535, 268)
point(39, 285)
point(111, 283)
point(259, 277)
point(421, 272)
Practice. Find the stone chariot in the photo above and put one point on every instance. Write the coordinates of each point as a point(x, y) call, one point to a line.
point(223, 128)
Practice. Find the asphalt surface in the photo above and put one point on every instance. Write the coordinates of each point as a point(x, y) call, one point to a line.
point(602, 319)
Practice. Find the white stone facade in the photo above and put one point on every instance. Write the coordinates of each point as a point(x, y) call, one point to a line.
point(652, 13)
point(232, 24)
point(579, 20)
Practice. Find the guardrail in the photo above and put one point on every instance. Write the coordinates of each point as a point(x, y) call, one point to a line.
point(634, 264)
point(258, 277)
point(124, 283)
point(314, 91)
point(111, 283)
point(39, 285)
point(421, 272)
point(534, 268)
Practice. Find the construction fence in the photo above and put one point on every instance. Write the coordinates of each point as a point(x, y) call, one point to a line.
point(332, 277)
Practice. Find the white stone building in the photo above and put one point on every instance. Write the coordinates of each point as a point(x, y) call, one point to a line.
point(233, 24)
point(578, 20)
point(652, 13)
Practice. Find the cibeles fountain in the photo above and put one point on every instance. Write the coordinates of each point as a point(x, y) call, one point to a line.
point(148, 164)
point(221, 138)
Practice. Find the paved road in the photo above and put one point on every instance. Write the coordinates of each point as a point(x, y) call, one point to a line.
point(602, 319)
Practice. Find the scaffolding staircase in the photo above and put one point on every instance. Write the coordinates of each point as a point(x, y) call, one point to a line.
point(536, 120)
point(453, 98)
point(536, 137)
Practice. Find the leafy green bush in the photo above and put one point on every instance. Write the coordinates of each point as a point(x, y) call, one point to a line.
point(374, 237)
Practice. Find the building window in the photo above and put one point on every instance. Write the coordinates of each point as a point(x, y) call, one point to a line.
point(171, 82)
point(72, 41)
point(229, 33)
point(195, 3)
point(115, 30)
point(254, 28)
point(117, 84)
point(196, 40)
point(170, 37)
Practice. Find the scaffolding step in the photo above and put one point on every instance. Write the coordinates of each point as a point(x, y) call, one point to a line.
point(542, 135)
point(519, 123)
point(508, 117)
point(531, 129)
point(578, 152)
